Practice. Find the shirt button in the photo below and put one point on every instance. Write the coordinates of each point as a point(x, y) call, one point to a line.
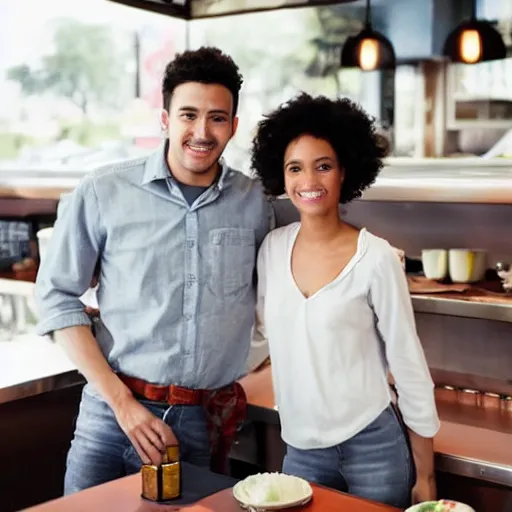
point(188, 316)
point(190, 244)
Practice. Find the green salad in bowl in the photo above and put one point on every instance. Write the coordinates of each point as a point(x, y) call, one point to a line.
point(440, 506)
point(272, 491)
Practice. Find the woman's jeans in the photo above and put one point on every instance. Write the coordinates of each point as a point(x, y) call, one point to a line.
point(375, 464)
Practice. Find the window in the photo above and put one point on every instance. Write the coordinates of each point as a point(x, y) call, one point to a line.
point(80, 81)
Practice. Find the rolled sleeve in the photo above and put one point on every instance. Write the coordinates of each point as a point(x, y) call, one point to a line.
point(68, 266)
point(391, 302)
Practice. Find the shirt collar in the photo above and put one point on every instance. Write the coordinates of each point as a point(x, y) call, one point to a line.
point(156, 168)
point(156, 165)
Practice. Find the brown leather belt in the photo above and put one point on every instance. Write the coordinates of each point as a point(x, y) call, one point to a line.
point(173, 395)
point(224, 408)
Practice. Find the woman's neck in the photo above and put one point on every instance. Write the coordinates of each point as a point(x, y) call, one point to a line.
point(321, 229)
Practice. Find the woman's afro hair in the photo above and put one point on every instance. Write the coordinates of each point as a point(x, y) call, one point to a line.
point(342, 123)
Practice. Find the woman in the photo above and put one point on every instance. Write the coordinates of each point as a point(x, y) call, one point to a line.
point(335, 307)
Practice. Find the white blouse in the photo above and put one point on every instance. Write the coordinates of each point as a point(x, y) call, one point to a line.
point(330, 352)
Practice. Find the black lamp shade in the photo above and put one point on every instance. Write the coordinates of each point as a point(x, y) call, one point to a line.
point(384, 57)
point(491, 45)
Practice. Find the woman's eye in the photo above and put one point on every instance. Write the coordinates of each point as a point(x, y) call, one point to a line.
point(325, 167)
point(294, 169)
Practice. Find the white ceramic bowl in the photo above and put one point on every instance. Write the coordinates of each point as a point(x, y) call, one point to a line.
point(450, 506)
point(272, 491)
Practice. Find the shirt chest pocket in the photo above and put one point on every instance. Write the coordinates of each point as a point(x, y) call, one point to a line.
point(231, 262)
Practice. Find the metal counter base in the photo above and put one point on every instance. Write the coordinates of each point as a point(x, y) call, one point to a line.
point(477, 469)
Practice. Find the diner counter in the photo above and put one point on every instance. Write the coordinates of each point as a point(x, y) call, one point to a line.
point(472, 441)
point(452, 180)
point(31, 364)
point(124, 495)
point(453, 305)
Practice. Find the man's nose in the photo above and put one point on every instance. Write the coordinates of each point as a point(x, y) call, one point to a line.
point(201, 129)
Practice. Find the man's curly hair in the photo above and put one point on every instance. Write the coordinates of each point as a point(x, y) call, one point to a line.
point(207, 65)
point(342, 123)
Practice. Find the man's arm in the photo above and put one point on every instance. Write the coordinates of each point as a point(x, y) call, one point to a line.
point(65, 274)
point(148, 434)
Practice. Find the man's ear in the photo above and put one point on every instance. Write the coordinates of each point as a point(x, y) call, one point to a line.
point(164, 120)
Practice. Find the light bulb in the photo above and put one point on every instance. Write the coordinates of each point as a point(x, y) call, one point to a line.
point(470, 46)
point(368, 54)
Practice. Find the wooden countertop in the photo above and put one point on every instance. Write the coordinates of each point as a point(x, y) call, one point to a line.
point(124, 495)
point(468, 433)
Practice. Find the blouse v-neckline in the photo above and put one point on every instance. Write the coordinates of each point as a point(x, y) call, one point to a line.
point(340, 276)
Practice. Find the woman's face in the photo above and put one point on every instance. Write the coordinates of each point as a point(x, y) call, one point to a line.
point(312, 176)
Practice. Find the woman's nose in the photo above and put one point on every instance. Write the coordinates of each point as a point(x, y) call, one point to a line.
point(309, 179)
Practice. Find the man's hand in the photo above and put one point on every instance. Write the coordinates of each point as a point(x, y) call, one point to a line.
point(148, 434)
point(424, 489)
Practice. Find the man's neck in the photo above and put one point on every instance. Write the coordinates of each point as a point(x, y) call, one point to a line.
point(195, 179)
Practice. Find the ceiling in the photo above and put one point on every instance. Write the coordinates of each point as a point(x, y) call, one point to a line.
point(197, 9)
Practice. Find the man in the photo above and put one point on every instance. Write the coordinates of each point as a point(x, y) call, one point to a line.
point(174, 237)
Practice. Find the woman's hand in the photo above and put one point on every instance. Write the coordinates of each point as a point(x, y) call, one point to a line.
point(425, 489)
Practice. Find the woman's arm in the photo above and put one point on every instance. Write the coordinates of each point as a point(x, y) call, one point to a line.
point(394, 316)
point(423, 454)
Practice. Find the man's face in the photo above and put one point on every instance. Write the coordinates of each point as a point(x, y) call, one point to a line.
point(199, 125)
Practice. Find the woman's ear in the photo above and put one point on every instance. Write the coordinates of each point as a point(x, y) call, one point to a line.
point(342, 175)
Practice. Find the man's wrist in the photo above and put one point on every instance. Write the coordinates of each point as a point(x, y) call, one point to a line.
point(119, 395)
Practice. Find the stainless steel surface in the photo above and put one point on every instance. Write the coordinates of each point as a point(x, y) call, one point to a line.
point(413, 226)
point(502, 266)
point(461, 308)
point(444, 180)
point(40, 385)
point(478, 348)
point(439, 180)
point(477, 469)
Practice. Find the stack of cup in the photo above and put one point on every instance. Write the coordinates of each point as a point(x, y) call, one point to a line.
point(462, 265)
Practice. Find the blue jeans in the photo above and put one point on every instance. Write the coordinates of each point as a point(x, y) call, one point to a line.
point(375, 464)
point(100, 450)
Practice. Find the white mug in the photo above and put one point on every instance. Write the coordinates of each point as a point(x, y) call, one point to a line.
point(435, 263)
point(467, 265)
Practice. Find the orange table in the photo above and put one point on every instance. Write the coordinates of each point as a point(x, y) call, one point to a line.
point(124, 495)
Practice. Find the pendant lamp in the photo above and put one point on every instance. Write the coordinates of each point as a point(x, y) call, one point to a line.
point(368, 50)
point(474, 41)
